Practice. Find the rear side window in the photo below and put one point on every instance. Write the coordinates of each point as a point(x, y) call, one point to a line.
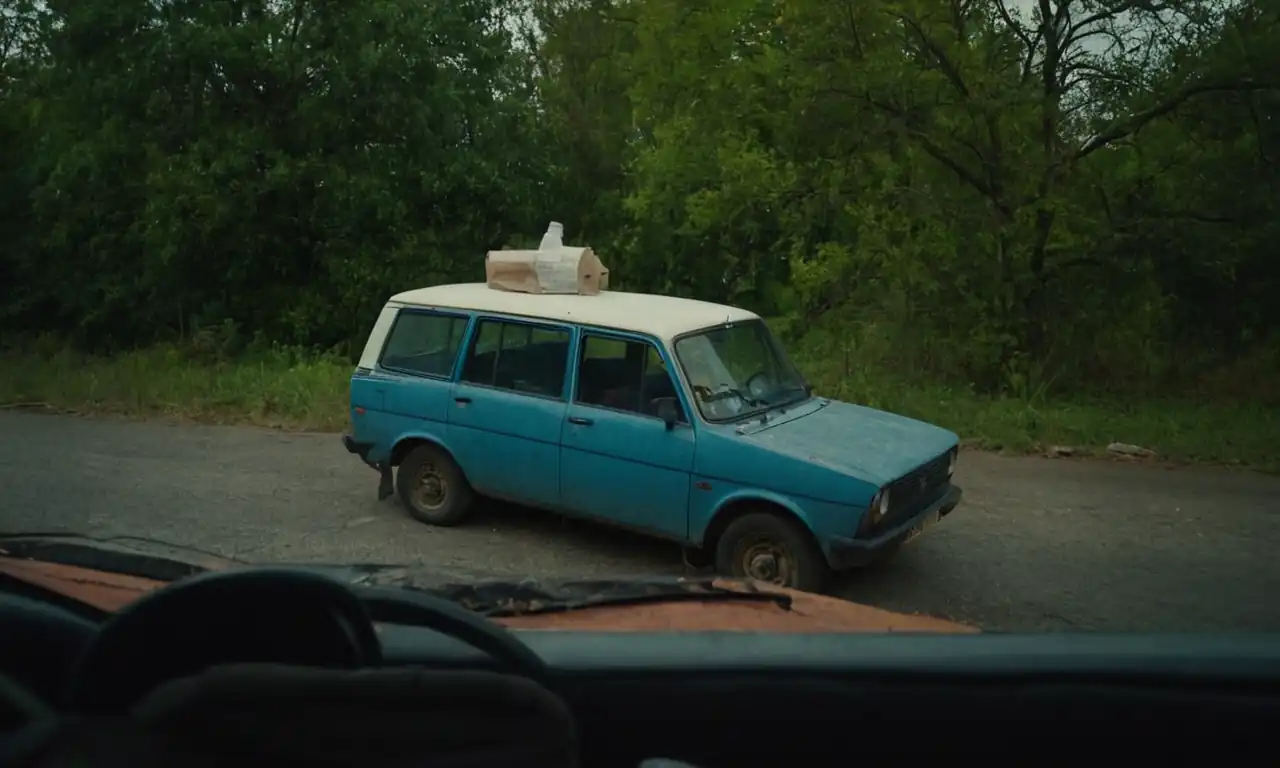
point(519, 357)
point(424, 343)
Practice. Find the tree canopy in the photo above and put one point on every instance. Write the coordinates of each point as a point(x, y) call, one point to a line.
point(1012, 194)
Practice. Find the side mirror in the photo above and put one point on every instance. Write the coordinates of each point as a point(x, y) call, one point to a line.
point(666, 407)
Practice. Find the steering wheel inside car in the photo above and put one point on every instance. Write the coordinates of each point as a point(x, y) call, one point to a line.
point(260, 615)
point(757, 384)
point(281, 616)
point(418, 609)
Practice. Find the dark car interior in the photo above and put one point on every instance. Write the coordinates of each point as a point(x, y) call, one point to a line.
point(435, 363)
point(281, 667)
point(620, 383)
point(537, 368)
point(624, 384)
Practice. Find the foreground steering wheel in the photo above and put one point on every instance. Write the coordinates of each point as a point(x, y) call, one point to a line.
point(26, 722)
point(401, 606)
point(20, 708)
point(266, 615)
point(260, 615)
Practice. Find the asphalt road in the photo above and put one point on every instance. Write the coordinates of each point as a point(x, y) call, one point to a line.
point(1036, 545)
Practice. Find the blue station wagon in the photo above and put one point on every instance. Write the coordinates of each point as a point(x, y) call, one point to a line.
point(677, 418)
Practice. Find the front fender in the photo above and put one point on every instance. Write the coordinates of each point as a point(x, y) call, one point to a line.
point(757, 495)
point(709, 514)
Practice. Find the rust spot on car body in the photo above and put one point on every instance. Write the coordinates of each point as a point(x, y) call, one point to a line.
point(807, 612)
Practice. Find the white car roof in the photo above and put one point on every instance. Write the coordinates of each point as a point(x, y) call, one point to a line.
point(662, 316)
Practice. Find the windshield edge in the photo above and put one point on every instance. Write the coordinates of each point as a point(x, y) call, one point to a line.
point(778, 349)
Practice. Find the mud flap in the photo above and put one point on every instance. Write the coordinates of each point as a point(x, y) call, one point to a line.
point(386, 488)
point(696, 559)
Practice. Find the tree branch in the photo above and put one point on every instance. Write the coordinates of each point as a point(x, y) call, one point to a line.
point(1132, 124)
point(1188, 215)
point(1111, 13)
point(944, 63)
point(1029, 43)
point(935, 150)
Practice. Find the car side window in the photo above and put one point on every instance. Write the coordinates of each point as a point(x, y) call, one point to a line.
point(424, 343)
point(519, 357)
point(623, 375)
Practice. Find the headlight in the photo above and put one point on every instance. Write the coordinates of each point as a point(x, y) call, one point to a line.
point(882, 504)
point(951, 463)
point(876, 510)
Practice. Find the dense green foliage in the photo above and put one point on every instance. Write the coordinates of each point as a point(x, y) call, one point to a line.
point(1016, 196)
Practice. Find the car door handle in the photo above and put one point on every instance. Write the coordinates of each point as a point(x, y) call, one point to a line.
point(581, 421)
point(462, 400)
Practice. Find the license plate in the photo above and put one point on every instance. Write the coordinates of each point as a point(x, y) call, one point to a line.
point(920, 528)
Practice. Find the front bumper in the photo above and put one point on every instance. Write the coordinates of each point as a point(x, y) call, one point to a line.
point(843, 553)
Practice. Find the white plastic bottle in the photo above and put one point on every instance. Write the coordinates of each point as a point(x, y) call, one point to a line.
point(553, 240)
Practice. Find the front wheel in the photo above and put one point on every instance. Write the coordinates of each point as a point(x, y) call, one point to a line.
point(432, 487)
point(771, 548)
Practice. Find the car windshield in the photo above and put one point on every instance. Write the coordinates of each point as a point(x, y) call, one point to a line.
point(967, 310)
point(737, 370)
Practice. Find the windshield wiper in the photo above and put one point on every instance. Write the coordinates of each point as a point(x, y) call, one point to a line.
point(528, 597)
point(805, 389)
point(728, 392)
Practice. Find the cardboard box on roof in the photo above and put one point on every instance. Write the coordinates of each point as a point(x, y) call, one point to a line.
point(553, 268)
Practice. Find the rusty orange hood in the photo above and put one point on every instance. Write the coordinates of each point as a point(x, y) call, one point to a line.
point(89, 575)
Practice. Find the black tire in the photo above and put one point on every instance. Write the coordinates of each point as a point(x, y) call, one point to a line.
point(451, 493)
point(797, 562)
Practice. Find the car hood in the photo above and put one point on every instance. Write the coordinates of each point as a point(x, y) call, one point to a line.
point(875, 446)
point(108, 574)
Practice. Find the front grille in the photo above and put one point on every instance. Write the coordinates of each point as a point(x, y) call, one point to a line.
point(915, 491)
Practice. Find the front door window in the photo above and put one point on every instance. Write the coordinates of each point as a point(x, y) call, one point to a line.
point(624, 375)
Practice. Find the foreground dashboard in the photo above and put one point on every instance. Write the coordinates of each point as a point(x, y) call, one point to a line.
point(754, 699)
point(744, 699)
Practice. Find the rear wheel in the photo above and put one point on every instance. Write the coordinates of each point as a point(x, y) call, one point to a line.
point(432, 487)
point(771, 548)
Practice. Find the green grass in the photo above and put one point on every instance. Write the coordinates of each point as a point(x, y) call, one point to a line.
point(296, 391)
point(276, 389)
point(1240, 433)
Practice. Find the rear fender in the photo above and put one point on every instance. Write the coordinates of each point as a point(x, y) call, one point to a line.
point(407, 441)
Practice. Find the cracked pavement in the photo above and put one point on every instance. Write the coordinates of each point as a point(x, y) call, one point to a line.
point(1035, 545)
